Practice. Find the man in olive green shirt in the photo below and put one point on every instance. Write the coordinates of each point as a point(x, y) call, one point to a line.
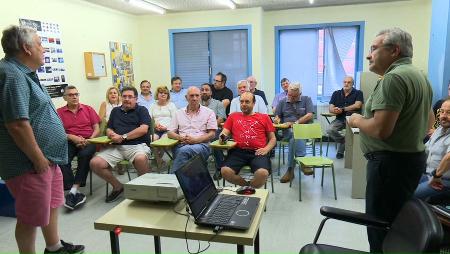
point(395, 121)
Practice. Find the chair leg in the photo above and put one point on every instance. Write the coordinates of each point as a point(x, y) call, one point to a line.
point(90, 182)
point(279, 158)
point(328, 144)
point(284, 163)
point(271, 182)
point(128, 172)
point(299, 183)
point(106, 188)
point(334, 183)
point(323, 172)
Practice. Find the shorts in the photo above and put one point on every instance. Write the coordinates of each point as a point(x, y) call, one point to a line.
point(116, 153)
point(36, 194)
point(238, 158)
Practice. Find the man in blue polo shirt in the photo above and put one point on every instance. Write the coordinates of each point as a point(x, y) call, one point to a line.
point(344, 102)
point(128, 130)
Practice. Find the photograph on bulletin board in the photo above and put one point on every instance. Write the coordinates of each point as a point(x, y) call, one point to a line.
point(53, 73)
point(121, 64)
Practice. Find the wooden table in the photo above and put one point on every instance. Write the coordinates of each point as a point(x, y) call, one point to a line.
point(160, 219)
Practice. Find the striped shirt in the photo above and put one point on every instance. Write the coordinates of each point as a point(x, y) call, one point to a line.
point(23, 97)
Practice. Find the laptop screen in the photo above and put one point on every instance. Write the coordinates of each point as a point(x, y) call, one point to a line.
point(197, 185)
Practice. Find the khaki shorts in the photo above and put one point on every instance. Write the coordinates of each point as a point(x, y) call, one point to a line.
point(117, 153)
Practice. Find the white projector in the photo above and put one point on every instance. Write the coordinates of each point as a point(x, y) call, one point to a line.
point(154, 187)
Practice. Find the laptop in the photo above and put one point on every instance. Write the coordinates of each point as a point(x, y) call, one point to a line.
point(210, 208)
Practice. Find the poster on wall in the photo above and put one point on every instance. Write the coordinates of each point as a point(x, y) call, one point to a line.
point(53, 73)
point(121, 64)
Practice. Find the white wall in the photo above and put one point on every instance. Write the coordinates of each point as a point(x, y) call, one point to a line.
point(88, 27)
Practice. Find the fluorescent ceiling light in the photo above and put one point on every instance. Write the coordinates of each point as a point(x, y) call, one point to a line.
point(311, 1)
point(147, 6)
point(229, 3)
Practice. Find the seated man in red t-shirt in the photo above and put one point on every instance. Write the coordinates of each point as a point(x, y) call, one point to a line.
point(255, 137)
point(81, 123)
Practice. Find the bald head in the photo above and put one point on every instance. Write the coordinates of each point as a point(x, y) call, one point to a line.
point(247, 102)
point(193, 97)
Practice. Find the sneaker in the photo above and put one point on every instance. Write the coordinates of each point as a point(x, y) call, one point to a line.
point(70, 201)
point(307, 171)
point(217, 176)
point(288, 176)
point(74, 201)
point(67, 248)
point(113, 196)
point(339, 155)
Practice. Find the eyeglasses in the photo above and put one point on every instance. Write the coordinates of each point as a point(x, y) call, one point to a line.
point(218, 81)
point(72, 94)
point(374, 48)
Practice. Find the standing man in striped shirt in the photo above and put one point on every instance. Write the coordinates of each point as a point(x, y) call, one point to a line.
point(32, 143)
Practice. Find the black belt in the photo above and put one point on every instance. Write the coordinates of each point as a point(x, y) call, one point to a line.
point(381, 154)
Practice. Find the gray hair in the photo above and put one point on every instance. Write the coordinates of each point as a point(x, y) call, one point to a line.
point(246, 84)
point(14, 37)
point(396, 36)
point(296, 86)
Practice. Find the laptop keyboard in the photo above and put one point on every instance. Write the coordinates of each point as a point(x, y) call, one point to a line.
point(224, 210)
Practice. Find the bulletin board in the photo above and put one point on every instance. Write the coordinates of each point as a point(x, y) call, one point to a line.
point(53, 73)
point(121, 64)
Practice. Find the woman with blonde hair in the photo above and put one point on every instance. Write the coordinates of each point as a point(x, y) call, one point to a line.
point(112, 101)
point(161, 112)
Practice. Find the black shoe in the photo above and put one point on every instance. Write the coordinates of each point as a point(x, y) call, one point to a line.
point(67, 248)
point(339, 155)
point(74, 201)
point(217, 176)
point(113, 196)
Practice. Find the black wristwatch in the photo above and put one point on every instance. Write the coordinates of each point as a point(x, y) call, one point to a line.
point(433, 173)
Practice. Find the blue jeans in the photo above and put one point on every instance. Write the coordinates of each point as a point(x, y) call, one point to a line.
point(424, 190)
point(300, 147)
point(183, 153)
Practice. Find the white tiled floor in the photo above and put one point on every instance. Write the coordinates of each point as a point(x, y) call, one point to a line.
point(286, 226)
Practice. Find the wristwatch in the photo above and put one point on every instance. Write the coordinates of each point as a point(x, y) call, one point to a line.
point(433, 173)
point(124, 137)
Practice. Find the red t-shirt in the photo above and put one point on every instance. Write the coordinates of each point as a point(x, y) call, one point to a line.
point(79, 123)
point(249, 132)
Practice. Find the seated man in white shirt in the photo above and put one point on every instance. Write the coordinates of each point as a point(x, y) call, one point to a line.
point(242, 87)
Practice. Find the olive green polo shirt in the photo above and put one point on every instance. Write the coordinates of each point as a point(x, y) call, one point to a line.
point(404, 89)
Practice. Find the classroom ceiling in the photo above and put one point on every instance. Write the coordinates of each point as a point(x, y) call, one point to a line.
point(173, 6)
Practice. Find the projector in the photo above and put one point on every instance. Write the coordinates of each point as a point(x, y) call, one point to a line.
point(154, 187)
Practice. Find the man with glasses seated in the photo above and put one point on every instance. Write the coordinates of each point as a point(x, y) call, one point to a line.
point(81, 123)
point(435, 183)
point(194, 126)
point(254, 135)
point(128, 130)
point(295, 108)
point(220, 92)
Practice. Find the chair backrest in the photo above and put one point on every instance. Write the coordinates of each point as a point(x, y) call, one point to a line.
point(416, 229)
point(307, 131)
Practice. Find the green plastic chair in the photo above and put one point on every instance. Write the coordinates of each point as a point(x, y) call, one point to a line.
point(313, 132)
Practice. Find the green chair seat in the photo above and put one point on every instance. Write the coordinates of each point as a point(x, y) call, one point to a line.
point(311, 132)
point(314, 161)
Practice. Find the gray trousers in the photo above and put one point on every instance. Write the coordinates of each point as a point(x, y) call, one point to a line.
point(333, 132)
